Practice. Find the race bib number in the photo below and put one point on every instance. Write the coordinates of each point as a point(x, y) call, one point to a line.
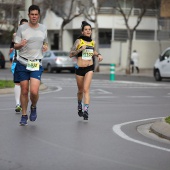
point(87, 54)
point(33, 65)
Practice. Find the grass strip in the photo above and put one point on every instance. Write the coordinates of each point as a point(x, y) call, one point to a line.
point(167, 119)
point(6, 84)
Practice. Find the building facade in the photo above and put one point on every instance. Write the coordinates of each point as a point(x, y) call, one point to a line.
point(150, 38)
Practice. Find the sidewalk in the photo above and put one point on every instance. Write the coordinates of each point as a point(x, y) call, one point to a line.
point(105, 69)
point(161, 128)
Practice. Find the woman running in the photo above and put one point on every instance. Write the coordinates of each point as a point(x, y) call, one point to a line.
point(84, 49)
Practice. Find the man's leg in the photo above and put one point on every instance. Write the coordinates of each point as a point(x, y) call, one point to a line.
point(132, 68)
point(24, 95)
point(24, 101)
point(34, 91)
point(137, 69)
point(34, 96)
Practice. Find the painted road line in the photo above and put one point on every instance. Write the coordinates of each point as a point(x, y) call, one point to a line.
point(119, 132)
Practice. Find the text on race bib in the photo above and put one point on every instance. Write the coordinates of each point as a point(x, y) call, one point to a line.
point(87, 54)
point(33, 65)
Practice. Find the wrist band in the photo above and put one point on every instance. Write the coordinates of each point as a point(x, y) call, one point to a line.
point(98, 54)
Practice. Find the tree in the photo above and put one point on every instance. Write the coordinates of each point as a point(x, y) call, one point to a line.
point(157, 6)
point(66, 9)
point(9, 19)
point(91, 10)
point(126, 14)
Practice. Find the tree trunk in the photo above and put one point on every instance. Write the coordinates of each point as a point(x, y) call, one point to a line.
point(130, 35)
point(61, 37)
point(96, 69)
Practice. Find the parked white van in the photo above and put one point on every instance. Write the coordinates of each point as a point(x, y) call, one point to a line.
point(162, 66)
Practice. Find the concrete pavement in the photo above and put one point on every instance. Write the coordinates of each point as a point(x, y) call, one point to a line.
point(160, 127)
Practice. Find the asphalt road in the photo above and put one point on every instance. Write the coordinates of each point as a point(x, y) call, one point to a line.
point(116, 136)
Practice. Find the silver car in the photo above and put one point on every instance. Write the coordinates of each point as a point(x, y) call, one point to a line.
point(55, 60)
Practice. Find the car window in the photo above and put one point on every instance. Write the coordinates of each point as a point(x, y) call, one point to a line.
point(64, 54)
point(167, 54)
point(47, 54)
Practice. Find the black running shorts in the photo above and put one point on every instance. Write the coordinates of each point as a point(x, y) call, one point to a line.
point(81, 71)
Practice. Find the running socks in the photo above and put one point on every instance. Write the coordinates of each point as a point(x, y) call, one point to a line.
point(80, 113)
point(85, 114)
point(86, 106)
point(17, 92)
point(79, 105)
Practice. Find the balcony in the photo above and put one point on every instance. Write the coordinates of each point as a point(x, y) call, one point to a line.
point(135, 12)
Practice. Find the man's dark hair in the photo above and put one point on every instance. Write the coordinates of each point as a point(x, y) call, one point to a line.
point(34, 7)
point(23, 20)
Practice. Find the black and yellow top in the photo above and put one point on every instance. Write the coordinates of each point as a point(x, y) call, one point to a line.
point(87, 53)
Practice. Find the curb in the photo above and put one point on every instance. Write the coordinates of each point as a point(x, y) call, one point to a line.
point(161, 128)
point(11, 90)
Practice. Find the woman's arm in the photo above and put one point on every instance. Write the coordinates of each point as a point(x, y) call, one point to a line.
point(74, 50)
point(98, 55)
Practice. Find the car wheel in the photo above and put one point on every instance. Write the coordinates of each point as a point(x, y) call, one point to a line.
point(58, 71)
point(72, 71)
point(157, 75)
point(49, 69)
point(2, 66)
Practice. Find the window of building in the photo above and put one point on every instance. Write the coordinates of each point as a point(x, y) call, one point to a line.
point(5, 38)
point(55, 44)
point(76, 34)
point(163, 35)
point(105, 36)
point(120, 35)
point(145, 35)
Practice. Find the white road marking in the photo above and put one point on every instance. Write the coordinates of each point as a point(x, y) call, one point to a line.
point(99, 97)
point(141, 83)
point(140, 96)
point(100, 91)
point(119, 132)
point(52, 91)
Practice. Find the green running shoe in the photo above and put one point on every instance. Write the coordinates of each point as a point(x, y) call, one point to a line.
point(18, 108)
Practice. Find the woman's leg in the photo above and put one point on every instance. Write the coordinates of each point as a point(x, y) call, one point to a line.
point(86, 91)
point(80, 80)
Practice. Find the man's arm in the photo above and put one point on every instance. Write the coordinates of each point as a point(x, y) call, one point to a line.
point(18, 46)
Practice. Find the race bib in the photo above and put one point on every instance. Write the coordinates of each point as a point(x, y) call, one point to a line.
point(87, 54)
point(33, 65)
